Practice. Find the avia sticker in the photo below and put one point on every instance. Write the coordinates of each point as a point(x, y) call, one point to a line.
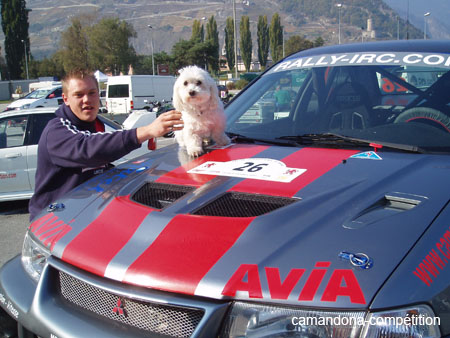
point(342, 283)
point(367, 155)
point(436, 260)
point(255, 168)
point(49, 229)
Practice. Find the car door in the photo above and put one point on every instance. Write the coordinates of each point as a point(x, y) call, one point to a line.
point(13, 155)
point(53, 99)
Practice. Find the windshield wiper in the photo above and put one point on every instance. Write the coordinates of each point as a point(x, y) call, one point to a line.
point(238, 138)
point(342, 140)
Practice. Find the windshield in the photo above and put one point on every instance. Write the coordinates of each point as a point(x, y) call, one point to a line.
point(39, 93)
point(395, 98)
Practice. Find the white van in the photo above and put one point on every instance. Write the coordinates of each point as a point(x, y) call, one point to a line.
point(125, 93)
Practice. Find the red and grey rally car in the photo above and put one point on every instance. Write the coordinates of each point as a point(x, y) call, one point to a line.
point(326, 217)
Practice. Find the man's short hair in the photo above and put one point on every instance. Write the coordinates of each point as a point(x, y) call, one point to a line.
point(79, 74)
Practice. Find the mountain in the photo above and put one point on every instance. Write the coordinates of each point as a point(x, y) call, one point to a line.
point(438, 25)
point(172, 20)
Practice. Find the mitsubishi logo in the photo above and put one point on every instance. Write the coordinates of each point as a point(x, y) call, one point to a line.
point(119, 309)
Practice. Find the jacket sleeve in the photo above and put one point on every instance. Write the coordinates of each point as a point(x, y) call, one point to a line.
point(69, 147)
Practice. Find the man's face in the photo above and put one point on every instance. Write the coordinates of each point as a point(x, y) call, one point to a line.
point(83, 98)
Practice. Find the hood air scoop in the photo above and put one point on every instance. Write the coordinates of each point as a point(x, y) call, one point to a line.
point(160, 195)
point(236, 204)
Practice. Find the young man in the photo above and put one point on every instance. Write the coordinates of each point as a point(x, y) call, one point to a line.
point(74, 146)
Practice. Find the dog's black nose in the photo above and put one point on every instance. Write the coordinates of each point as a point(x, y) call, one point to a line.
point(192, 93)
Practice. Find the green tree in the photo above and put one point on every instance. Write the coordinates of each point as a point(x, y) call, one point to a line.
point(188, 52)
point(276, 38)
point(51, 66)
point(296, 44)
point(109, 45)
point(15, 28)
point(246, 41)
point(229, 42)
point(263, 40)
point(143, 63)
point(74, 46)
point(212, 37)
point(198, 32)
point(3, 68)
point(319, 42)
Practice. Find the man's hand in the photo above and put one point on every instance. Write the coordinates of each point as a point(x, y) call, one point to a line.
point(165, 123)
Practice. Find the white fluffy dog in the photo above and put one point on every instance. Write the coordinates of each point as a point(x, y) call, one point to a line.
point(196, 96)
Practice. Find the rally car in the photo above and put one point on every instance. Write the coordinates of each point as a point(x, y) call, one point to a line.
point(330, 220)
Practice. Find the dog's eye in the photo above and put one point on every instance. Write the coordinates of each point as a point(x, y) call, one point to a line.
point(185, 83)
point(199, 83)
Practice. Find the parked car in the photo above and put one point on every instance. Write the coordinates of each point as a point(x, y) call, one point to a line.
point(331, 220)
point(42, 97)
point(20, 131)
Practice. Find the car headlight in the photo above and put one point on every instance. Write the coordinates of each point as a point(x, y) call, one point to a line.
point(34, 257)
point(25, 106)
point(254, 320)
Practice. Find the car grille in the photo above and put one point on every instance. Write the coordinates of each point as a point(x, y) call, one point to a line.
point(167, 320)
point(160, 195)
point(236, 204)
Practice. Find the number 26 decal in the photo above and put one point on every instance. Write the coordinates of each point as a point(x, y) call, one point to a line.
point(251, 167)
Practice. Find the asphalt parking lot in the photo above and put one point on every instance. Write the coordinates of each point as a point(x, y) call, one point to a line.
point(13, 224)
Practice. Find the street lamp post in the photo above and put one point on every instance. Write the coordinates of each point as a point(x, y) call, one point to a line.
point(26, 58)
point(153, 59)
point(407, 20)
point(339, 6)
point(425, 25)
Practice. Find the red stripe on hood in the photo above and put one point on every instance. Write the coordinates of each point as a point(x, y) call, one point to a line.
point(316, 161)
point(100, 241)
point(189, 246)
point(181, 177)
point(185, 251)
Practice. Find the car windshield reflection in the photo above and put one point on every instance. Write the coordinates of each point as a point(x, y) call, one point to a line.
point(385, 97)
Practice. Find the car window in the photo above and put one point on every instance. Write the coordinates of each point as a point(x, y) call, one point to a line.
point(381, 97)
point(12, 131)
point(38, 94)
point(120, 90)
point(276, 102)
point(58, 92)
point(38, 123)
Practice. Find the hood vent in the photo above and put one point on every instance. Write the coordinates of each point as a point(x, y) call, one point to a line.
point(236, 204)
point(160, 195)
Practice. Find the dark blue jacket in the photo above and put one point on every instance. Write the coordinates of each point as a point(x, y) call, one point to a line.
point(70, 152)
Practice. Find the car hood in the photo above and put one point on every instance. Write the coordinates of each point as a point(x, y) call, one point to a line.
point(304, 226)
point(20, 102)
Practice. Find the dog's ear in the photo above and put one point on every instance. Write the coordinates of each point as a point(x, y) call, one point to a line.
point(214, 100)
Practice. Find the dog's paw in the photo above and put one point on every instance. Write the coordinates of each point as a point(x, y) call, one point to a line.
point(222, 140)
point(194, 151)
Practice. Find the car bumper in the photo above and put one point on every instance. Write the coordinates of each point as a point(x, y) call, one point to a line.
point(42, 309)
